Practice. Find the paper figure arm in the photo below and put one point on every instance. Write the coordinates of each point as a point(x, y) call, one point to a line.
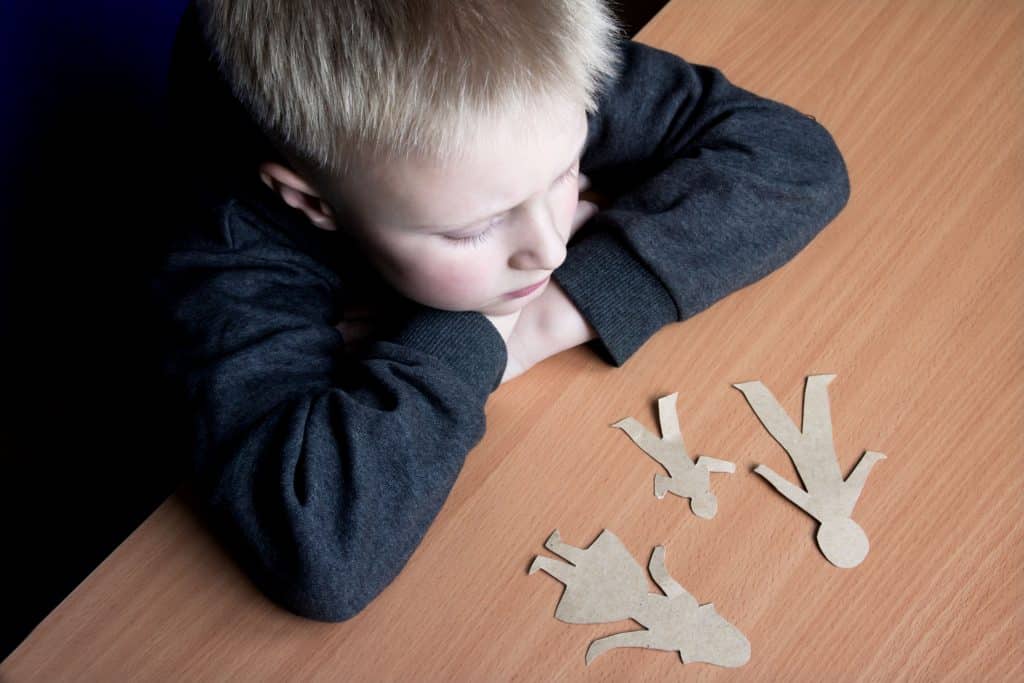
point(716, 465)
point(796, 495)
point(669, 586)
point(854, 483)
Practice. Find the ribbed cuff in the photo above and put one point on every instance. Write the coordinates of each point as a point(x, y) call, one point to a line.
point(466, 341)
point(616, 293)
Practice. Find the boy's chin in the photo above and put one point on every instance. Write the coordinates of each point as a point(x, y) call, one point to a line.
point(495, 308)
point(505, 307)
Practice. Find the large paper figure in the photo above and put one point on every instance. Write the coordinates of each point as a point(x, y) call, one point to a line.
point(686, 479)
point(604, 583)
point(827, 498)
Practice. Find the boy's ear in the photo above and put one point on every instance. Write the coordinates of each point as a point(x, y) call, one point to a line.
point(298, 194)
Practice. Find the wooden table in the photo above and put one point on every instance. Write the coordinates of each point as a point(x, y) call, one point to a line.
point(913, 297)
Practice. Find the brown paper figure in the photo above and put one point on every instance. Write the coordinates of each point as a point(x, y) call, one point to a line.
point(604, 583)
point(827, 498)
point(686, 480)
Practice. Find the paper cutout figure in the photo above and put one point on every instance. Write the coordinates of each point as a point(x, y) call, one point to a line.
point(686, 479)
point(604, 583)
point(827, 498)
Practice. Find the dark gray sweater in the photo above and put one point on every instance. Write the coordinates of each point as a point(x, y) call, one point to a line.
point(322, 470)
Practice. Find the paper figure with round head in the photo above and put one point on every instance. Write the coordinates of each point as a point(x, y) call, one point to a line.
point(827, 496)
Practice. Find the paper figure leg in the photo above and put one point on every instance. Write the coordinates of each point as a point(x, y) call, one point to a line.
point(770, 413)
point(639, 434)
point(817, 419)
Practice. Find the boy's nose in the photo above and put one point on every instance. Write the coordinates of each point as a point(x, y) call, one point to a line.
point(538, 243)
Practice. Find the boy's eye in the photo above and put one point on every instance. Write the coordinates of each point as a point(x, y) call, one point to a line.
point(481, 235)
point(570, 174)
point(477, 237)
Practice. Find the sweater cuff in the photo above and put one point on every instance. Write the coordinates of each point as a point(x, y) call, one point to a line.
point(621, 299)
point(465, 341)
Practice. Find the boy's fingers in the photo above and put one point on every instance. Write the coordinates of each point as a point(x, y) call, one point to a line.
point(595, 198)
point(354, 330)
point(584, 210)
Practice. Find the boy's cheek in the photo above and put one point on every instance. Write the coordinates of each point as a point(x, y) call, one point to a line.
point(448, 281)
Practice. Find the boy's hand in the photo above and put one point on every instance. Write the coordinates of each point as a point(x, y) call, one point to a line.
point(551, 323)
point(504, 323)
point(547, 325)
point(590, 203)
point(356, 327)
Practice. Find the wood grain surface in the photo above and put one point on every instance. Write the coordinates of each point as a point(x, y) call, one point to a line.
point(913, 296)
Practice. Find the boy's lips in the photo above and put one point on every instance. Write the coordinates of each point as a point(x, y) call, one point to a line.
point(527, 290)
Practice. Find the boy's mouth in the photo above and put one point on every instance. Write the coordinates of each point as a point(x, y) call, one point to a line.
point(527, 290)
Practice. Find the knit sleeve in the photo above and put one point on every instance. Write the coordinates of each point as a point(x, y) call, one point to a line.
point(321, 472)
point(712, 188)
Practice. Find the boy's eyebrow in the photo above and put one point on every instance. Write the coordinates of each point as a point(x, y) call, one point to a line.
point(579, 153)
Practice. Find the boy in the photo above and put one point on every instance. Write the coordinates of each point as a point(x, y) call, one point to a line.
point(423, 161)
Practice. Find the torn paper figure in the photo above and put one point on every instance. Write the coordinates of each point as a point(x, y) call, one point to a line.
point(827, 498)
point(686, 479)
point(603, 583)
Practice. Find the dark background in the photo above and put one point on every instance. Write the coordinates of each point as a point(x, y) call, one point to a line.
point(88, 196)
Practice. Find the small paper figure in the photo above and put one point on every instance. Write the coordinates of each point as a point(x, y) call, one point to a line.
point(686, 480)
point(604, 583)
point(827, 497)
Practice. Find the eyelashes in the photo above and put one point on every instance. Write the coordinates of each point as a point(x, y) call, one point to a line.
point(571, 174)
point(476, 238)
point(473, 240)
point(479, 238)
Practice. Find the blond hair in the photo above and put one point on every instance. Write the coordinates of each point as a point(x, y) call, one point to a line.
point(331, 81)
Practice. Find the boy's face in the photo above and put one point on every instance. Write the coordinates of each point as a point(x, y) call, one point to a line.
point(480, 234)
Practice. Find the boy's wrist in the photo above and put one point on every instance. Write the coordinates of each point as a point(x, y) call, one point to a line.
point(561, 322)
point(548, 326)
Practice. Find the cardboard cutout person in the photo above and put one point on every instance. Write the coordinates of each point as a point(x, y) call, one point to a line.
point(686, 479)
point(603, 583)
point(827, 498)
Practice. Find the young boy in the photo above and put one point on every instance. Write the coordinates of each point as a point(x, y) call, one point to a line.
point(423, 162)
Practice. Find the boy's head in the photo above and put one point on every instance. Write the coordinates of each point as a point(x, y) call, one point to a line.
point(444, 136)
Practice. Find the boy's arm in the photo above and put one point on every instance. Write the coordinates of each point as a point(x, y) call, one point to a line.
point(712, 188)
point(322, 472)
